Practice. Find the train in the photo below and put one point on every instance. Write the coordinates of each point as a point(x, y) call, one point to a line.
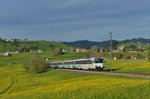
point(85, 64)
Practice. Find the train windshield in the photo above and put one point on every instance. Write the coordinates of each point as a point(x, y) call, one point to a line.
point(99, 60)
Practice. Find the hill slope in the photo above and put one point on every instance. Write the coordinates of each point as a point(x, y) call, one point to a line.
point(86, 43)
point(29, 45)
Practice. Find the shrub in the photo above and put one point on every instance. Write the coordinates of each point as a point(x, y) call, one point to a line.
point(35, 64)
point(127, 57)
point(58, 51)
point(118, 55)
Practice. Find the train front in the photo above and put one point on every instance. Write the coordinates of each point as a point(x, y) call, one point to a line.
point(99, 63)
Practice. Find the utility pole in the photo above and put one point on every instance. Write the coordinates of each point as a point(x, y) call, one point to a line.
point(110, 61)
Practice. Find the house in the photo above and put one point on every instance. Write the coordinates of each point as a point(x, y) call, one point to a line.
point(101, 50)
point(120, 48)
point(39, 51)
point(7, 54)
point(139, 50)
point(65, 50)
point(81, 50)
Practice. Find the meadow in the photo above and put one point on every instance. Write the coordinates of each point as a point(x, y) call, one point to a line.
point(16, 83)
point(126, 65)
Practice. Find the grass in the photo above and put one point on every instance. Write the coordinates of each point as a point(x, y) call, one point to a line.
point(127, 65)
point(43, 45)
point(54, 84)
point(130, 65)
point(16, 83)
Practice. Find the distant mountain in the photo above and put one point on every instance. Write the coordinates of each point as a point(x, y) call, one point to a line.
point(86, 43)
point(137, 40)
point(24, 45)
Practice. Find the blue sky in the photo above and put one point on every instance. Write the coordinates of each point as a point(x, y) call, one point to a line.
point(71, 20)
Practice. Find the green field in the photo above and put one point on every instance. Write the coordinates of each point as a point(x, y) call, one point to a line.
point(16, 83)
point(127, 65)
point(132, 66)
point(45, 46)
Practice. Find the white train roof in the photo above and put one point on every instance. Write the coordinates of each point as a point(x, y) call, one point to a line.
point(83, 59)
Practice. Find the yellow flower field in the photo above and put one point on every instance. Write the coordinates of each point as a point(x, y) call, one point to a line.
point(15, 83)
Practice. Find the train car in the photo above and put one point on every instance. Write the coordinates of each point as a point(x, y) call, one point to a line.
point(87, 64)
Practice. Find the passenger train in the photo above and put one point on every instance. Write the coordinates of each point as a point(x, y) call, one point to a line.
point(87, 64)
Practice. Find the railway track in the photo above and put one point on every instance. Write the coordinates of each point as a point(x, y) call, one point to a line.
point(133, 75)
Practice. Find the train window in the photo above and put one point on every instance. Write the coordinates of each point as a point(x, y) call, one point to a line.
point(76, 62)
point(88, 62)
point(99, 60)
point(68, 62)
point(83, 62)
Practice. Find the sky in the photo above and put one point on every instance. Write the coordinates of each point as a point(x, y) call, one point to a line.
point(72, 20)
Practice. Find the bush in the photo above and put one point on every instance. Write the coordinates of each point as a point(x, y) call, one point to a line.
point(35, 64)
point(58, 51)
point(127, 57)
point(118, 55)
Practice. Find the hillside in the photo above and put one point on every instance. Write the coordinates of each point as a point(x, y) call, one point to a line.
point(86, 43)
point(30, 45)
point(24, 46)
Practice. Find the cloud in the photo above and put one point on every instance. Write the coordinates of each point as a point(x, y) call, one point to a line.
point(89, 18)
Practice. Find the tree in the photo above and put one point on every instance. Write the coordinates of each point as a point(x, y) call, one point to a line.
point(130, 48)
point(118, 55)
point(35, 64)
point(58, 51)
point(93, 51)
point(114, 44)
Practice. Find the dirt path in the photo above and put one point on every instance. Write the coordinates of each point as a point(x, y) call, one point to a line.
point(134, 75)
